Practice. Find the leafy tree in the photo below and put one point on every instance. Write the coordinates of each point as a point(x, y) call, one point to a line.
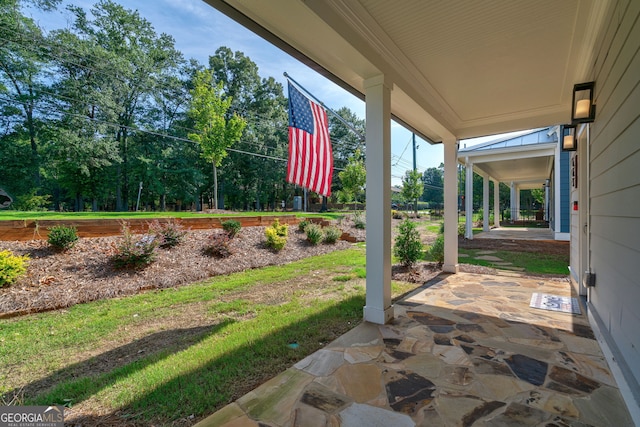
point(216, 133)
point(408, 246)
point(253, 180)
point(22, 74)
point(80, 148)
point(136, 56)
point(168, 167)
point(344, 141)
point(433, 180)
point(412, 188)
point(353, 179)
point(538, 195)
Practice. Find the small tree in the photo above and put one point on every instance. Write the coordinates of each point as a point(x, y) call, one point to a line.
point(62, 237)
point(408, 247)
point(353, 178)
point(208, 109)
point(412, 188)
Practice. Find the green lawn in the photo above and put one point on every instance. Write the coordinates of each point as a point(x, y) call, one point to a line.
point(22, 215)
point(160, 356)
point(535, 263)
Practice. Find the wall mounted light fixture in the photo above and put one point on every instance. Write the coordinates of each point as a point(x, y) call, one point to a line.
point(569, 140)
point(582, 108)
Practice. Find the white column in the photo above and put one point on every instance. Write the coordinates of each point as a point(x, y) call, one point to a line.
point(468, 201)
point(557, 209)
point(496, 204)
point(512, 204)
point(546, 200)
point(485, 203)
point(517, 202)
point(450, 206)
point(378, 308)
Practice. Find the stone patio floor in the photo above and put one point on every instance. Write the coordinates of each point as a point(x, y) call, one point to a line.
point(462, 350)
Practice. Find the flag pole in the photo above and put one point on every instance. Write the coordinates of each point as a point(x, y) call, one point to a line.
point(336, 115)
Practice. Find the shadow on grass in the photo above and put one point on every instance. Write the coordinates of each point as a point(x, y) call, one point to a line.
point(80, 380)
point(182, 399)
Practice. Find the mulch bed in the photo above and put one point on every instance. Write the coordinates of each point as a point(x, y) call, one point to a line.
point(85, 273)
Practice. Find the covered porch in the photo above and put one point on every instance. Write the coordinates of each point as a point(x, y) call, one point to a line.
point(463, 349)
point(450, 71)
point(446, 72)
point(529, 161)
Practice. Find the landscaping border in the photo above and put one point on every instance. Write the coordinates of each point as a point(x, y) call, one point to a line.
point(31, 229)
point(34, 229)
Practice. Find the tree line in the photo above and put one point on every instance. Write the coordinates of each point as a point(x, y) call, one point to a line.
point(104, 115)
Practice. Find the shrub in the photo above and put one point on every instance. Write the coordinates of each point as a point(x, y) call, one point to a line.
point(359, 221)
point(408, 247)
point(281, 229)
point(232, 227)
point(219, 245)
point(332, 234)
point(169, 234)
point(135, 252)
point(277, 235)
point(314, 233)
point(274, 240)
point(462, 228)
point(436, 250)
point(62, 237)
point(31, 202)
point(302, 225)
point(395, 214)
point(11, 267)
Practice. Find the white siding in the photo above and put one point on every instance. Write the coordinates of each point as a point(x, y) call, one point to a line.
point(615, 186)
point(576, 268)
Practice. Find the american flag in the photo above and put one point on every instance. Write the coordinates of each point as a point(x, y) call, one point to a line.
point(310, 158)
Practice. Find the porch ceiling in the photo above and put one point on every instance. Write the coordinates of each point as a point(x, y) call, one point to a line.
point(460, 68)
point(528, 173)
point(526, 159)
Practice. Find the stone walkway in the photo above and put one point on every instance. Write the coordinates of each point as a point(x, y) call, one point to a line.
point(496, 261)
point(464, 350)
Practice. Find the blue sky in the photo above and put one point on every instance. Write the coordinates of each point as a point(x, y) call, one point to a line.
point(199, 30)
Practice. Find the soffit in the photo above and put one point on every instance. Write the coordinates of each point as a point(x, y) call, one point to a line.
point(532, 171)
point(526, 159)
point(460, 68)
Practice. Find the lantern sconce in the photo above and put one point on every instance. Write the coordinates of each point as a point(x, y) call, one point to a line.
point(582, 109)
point(569, 139)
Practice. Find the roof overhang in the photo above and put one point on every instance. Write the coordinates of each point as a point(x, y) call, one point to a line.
point(460, 68)
point(526, 159)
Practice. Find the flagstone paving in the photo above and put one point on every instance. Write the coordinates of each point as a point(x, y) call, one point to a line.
point(463, 350)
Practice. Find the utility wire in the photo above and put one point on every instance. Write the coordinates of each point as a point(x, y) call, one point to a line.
point(164, 135)
point(157, 84)
point(339, 117)
point(89, 103)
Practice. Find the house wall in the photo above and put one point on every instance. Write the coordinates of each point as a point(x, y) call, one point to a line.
point(575, 225)
point(614, 215)
point(565, 192)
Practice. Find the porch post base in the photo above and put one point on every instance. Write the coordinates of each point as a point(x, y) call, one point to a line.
point(451, 268)
point(378, 316)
